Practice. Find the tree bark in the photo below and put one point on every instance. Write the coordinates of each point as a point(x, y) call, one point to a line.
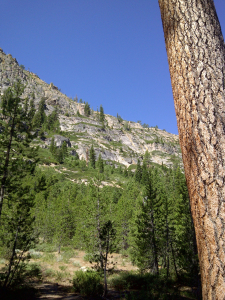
point(196, 56)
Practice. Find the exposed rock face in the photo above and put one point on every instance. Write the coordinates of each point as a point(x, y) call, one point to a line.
point(114, 142)
point(58, 141)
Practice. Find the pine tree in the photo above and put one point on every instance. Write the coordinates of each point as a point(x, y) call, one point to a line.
point(126, 207)
point(40, 117)
point(92, 157)
point(101, 115)
point(17, 164)
point(100, 164)
point(17, 230)
point(145, 174)
point(146, 236)
point(94, 217)
point(64, 150)
point(138, 172)
point(52, 122)
point(87, 110)
point(15, 138)
point(52, 147)
point(147, 158)
point(196, 56)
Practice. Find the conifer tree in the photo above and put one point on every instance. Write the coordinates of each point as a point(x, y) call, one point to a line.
point(125, 209)
point(147, 158)
point(87, 110)
point(52, 147)
point(146, 237)
point(92, 226)
point(64, 150)
point(92, 157)
point(101, 114)
point(52, 122)
point(17, 164)
point(17, 230)
point(145, 174)
point(138, 172)
point(196, 56)
point(40, 116)
point(100, 164)
point(15, 137)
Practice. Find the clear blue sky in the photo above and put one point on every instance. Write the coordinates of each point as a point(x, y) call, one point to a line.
point(108, 52)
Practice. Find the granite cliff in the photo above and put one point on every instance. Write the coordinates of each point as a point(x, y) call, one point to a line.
point(118, 141)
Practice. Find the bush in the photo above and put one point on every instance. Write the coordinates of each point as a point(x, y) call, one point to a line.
point(34, 254)
point(48, 257)
point(67, 255)
point(33, 270)
point(88, 283)
point(49, 273)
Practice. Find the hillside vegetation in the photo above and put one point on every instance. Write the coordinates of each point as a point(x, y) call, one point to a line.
point(76, 180)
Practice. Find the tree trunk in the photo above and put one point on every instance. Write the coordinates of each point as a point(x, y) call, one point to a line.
point(11, 262)
point(196, 56)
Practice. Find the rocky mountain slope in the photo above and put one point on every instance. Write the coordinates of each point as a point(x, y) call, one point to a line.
point(118, 140)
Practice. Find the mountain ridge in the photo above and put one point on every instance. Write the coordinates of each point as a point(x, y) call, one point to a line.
point(119, 141)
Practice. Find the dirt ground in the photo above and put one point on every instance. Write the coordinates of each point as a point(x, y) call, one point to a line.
point(57, 284)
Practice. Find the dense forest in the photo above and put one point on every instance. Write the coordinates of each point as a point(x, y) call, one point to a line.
point(146, 216)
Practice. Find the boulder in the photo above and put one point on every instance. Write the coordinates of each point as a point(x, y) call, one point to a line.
point(59, 139)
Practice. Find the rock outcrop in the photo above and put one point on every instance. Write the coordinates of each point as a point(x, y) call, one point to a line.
point(119, 141)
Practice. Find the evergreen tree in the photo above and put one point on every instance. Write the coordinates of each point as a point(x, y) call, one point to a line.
point(52, 147)
point(100, 164)
point(64, 150)
point(147, 239)
point(17, 164)
point(138, 172)
point(40, 117)
point(145, 174)
point(147, 158)
point(126, 207)
point(195, 120)
point(92, 226)
point(92, 157)
point(15, 138)
point(17, 231)
point(59, 155)
point(64, 220)
point(87, 110)
point(101, 115)
point(53, 121)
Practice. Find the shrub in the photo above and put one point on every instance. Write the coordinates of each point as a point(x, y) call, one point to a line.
point(34, 254)
point(33, 270)
point(62, 268)
point(67, 255)
point(59, 275)
point(49, 273)
point(88, 283)
point(48, 257)
point(2, 261)
point(76, 264)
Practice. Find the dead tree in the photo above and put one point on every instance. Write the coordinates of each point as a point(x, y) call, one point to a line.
point(196, 57)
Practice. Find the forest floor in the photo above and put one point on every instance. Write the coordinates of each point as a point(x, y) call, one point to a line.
point(52, 274)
